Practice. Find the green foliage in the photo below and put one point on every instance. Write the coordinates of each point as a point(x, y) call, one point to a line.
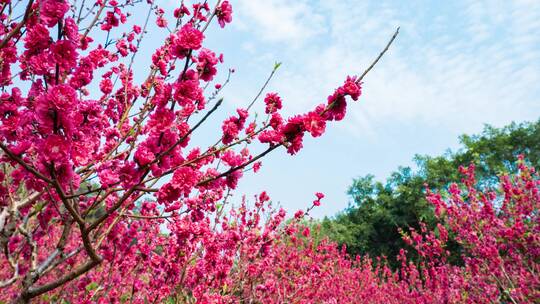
point(493, 152)
point(370, 225)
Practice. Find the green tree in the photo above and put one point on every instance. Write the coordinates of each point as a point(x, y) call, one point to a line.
point(377, 210)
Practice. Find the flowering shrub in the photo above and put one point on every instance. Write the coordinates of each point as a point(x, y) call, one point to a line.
point(500, 233)
point(102, 195)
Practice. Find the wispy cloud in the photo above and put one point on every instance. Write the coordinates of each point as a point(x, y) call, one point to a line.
point(457, 67)
point(292, 22)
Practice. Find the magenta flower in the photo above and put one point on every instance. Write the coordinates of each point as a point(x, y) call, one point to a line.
point(187, 39)
point(272, 102)
point(224, 13)
point(51, 11)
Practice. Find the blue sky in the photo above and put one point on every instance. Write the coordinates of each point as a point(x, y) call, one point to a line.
point(455, 66)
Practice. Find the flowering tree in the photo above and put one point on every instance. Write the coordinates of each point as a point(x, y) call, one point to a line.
point(103, 198)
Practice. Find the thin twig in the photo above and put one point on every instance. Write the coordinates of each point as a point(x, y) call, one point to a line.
point(21, 162)
point(379, 57)
point(19, 26)
point(276, 66)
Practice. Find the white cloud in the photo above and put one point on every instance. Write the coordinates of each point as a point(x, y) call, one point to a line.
point(281, 20)
point(455, 74)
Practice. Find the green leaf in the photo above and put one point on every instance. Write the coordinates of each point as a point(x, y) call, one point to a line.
point(92, 286)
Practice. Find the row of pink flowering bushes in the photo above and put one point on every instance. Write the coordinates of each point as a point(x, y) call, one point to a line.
point(105, 197)
point(251, 255)
point(498, 230)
